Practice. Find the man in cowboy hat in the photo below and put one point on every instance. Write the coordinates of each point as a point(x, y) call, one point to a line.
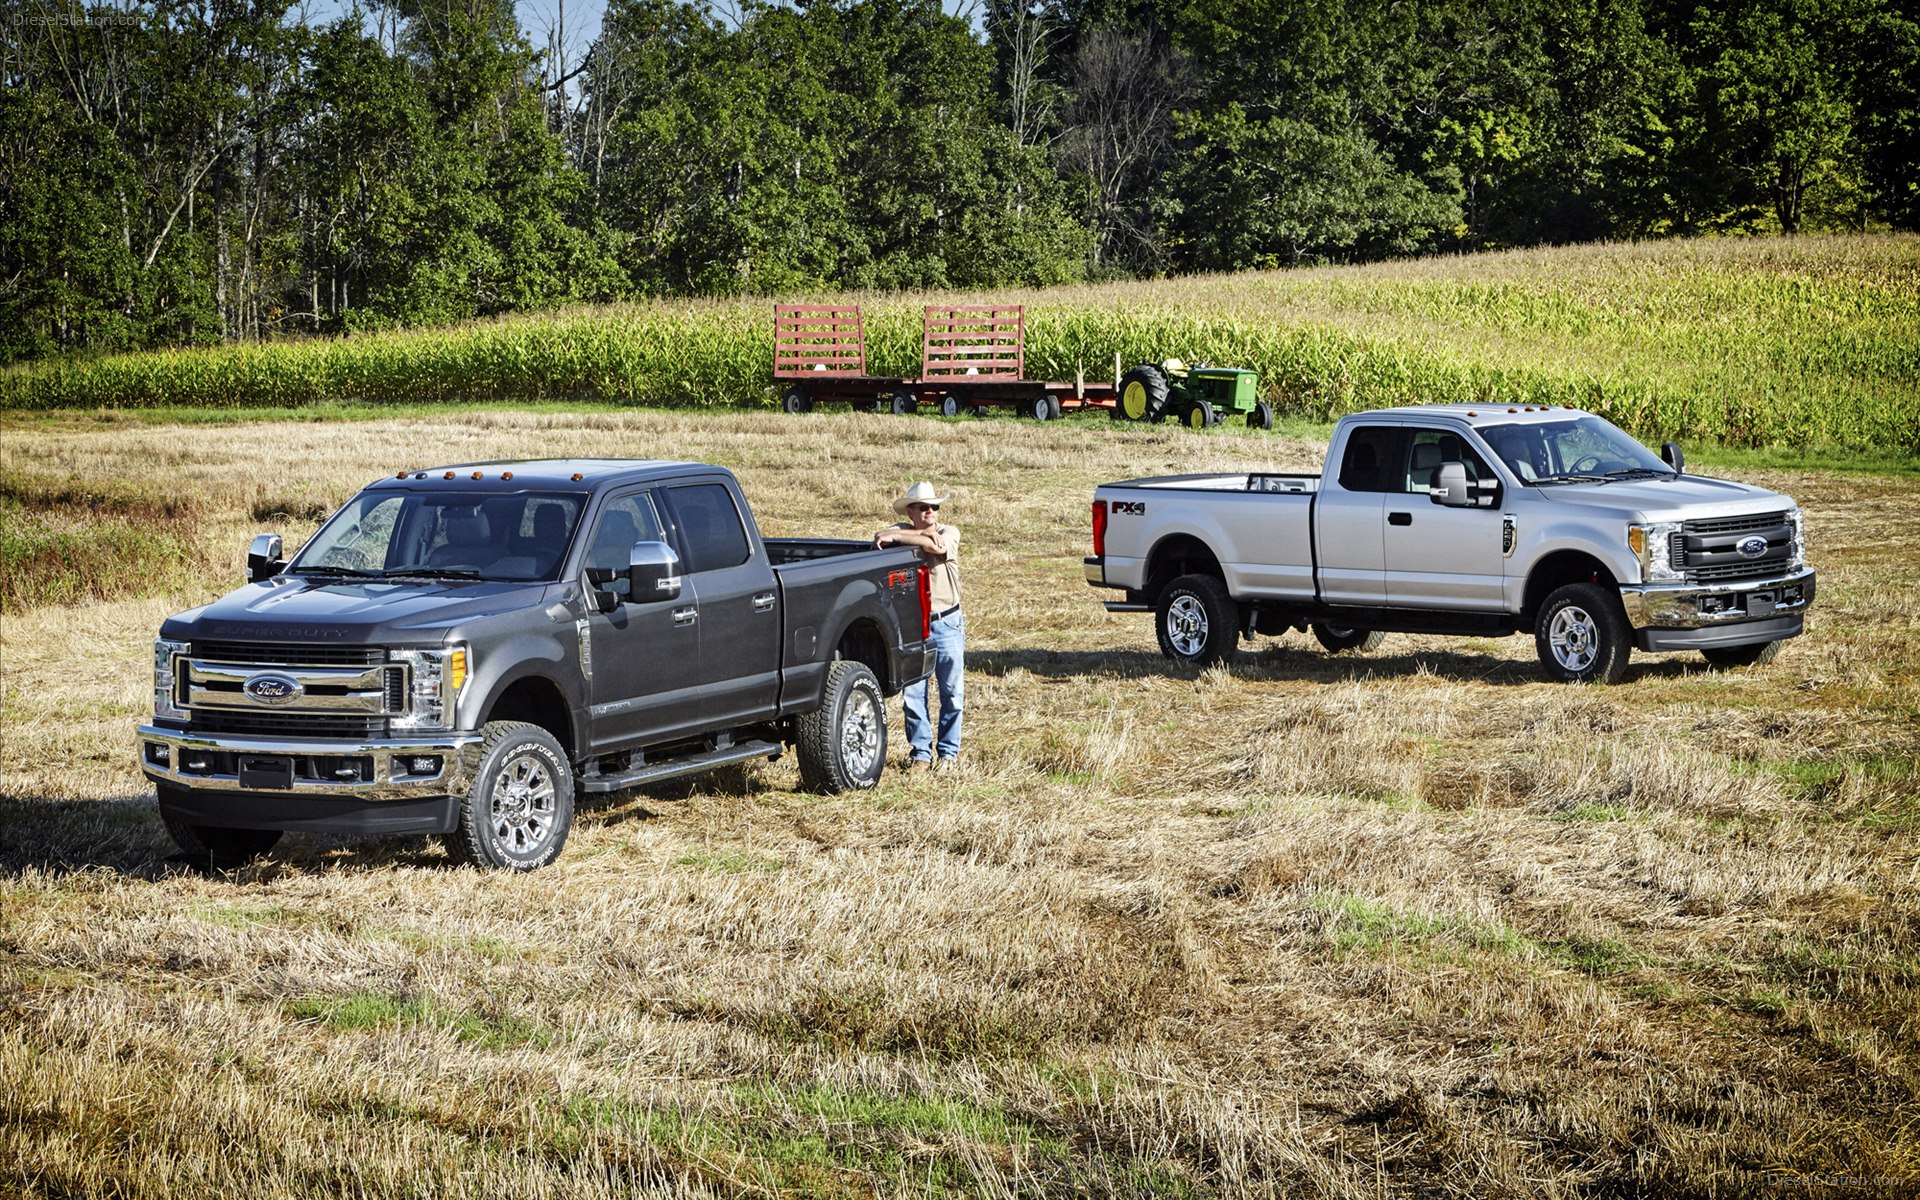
point(939, 547)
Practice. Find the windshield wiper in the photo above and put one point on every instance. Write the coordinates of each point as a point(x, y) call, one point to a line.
point(1639, 473)
point(1564, 478)
point(434, 572)
point(329, 569)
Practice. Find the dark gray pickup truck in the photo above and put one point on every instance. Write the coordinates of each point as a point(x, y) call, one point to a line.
point(457, 651)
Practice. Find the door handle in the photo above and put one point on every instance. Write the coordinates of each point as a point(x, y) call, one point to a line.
point(763, 602)
point(1399, 518)
point(684, 616)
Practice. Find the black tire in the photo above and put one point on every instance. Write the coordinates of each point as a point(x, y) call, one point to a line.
point(842, 745)
point(905, 404)
point(519, 809)
point(949, 405)
point(1200, 415)
point(1742, 656)
point(221, 848)
point(1262, 416)
point(1197, 622)
point(1037, 408)
point(1339, 638)
point(797, 400)
point(1581, 635)
point(1053, 408)
point(1143, 394)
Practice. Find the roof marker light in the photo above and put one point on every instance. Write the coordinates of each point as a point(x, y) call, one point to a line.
point(577, 477)
point(476, 474)
point(506, 474)
point(1513, 410)
point(401, 475)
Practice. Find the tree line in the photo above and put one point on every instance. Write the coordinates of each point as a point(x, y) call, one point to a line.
point(194, 171)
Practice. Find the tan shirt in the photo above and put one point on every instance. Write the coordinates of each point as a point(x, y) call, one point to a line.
point(943, 570)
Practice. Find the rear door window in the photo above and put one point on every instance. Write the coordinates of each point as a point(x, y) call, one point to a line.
point(1373, 459)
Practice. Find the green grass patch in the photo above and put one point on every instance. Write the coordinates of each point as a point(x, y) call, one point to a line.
point(1598, 957)
point(1596, 813)
point(65, 555)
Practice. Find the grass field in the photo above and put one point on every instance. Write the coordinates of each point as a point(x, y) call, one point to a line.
point(1743, 342)
point(1409, 924)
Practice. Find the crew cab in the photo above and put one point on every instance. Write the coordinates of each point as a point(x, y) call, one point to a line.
point(1483, 520)
point(458, 651)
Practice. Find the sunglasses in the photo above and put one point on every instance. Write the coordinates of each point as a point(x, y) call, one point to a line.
point(918, 507)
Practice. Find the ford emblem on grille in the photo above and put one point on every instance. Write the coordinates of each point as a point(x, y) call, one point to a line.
point(1752, 547)
point(270, 688)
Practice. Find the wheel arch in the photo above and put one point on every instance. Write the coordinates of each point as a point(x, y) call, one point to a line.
point(536, 700)
point(1180, 554)
point(1558, 569)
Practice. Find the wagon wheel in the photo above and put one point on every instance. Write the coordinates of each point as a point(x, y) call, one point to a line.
point(797, 400)
point(949, 405)
point(904, 403)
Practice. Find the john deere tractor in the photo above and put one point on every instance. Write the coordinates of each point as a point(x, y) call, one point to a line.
point(1197, 396)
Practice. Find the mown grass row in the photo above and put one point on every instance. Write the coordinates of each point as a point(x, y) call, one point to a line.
point(1743, 343)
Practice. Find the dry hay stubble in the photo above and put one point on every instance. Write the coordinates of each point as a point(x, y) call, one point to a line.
point(1284, 925)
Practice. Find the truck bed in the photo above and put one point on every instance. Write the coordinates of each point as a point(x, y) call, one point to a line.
point(1253, 481)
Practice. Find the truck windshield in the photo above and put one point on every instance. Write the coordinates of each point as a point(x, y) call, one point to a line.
point(514, 536)
point(1580, 449)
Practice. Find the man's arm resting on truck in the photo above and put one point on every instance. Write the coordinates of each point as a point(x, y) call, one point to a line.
point(930, 542)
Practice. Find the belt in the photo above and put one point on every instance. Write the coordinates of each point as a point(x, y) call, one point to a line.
point(945, 612)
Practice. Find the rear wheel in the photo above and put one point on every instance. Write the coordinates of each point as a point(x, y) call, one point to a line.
point(842, 745)
point(1581, 635)
point(1143, 394)
point(797, 400)
point(904, 403)
point(518, 811)
point(222, 848)
point(1742, 656)
point(1053, 408)
point(1037, 408)
point(1340, 638)
point(1262, 415)
point(1197, 621)
point(949, 405)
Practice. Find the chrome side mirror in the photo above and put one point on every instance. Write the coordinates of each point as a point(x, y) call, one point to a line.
point(653, 573)
point(264, 557)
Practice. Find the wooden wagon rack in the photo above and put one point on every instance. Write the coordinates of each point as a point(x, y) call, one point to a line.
point(972, 359)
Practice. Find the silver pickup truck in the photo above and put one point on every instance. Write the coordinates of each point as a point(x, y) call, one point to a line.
point(1483, 520)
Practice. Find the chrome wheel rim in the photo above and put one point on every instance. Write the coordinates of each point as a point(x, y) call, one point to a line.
point(860, 733)
point(1574, 639)
point(1187, 625)
point(522, 807)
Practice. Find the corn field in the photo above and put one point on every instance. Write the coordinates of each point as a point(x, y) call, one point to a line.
point(1752, 342)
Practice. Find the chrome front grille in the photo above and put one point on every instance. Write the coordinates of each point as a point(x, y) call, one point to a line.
point(291, 689)
point(1706, 549)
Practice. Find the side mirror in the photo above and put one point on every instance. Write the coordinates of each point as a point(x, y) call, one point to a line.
point(264, 558)
point(1450, 486)
point(1670, 454)
point(653, 570)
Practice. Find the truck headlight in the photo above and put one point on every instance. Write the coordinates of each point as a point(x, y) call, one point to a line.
point(434, 693)
point(1652, 544)
point(166, 682)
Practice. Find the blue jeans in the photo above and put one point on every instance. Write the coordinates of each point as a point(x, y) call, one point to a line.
point(949, 671)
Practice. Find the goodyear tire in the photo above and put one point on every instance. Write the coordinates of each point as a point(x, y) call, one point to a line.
point(796, 400)
point(1197, 622)
point(842, 745)
point(222, 849)
point(1741, 656)
point(519, 809)
point(1262, 416)
point(1339, 638)
point(1581, 635)
point(1143, 394)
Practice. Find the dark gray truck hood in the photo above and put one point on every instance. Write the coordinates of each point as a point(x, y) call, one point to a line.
point(291, 608)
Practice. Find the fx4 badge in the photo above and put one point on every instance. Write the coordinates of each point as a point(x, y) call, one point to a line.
point(1129, 508)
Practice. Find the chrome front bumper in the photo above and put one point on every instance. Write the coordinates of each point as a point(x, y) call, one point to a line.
point(371, 769)
point(1691, 605)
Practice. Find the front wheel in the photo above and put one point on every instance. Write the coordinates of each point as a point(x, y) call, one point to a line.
point(1262, 415)
point(518, 811)
point(842, 745)
point(1581, 635)
point(222, 848)
point(949, 405)
point(904, 403)
point(1197, 621)
point(1200, 415)
point(1037, 407)
point(1741, 656)
point(797, 400)
point(1339, 638)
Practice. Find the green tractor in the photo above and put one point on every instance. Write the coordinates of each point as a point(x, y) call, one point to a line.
point(1197, 396)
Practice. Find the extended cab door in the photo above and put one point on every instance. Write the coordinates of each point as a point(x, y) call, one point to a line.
point(1348, 540)
point(640, 689)
point(1440, 557)
point(727, 578)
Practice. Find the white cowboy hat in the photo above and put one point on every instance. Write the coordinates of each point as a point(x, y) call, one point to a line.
point(919, 493)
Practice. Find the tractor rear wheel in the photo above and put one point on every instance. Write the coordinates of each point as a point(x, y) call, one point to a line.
point(1143, 394)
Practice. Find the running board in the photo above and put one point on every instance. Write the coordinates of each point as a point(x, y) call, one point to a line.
point(1125, 606)
point(681, 766)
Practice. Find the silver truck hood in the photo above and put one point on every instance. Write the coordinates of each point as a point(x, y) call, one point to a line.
point(349, 612)
point(1690, 497)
